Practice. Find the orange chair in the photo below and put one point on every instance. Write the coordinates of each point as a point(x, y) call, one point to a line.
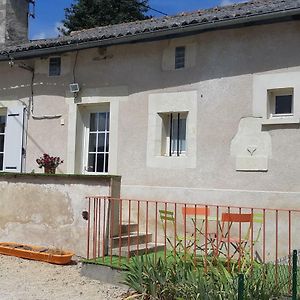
point(233, 224)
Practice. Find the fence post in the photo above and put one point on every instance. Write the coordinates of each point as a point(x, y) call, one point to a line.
point(241, 287)
point(294, 278)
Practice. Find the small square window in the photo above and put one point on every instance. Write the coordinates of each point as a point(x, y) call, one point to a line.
point(174, 133)
point(281, 102)
point(54, 66)
point(179, 57)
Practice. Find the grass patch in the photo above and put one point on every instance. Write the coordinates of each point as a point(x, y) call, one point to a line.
point(120, 263)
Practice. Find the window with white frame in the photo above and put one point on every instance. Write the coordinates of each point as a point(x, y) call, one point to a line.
point(2, 139)
point(174, 133)
point(281, 102)
point(179, 57)
point(98, 142)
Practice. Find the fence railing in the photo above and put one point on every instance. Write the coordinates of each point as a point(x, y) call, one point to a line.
point(118, 229)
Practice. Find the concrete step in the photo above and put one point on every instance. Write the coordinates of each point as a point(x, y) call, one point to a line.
point(134, 250)
point(133, 239)
point(133, 227)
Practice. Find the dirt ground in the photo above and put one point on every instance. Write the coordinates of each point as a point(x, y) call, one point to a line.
point(22, 279)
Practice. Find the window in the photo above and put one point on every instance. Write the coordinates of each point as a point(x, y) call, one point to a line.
point(281, 102)
point(54, 66)
point(2, 138)
point(98, 142)
point(179, 57)
point(174, 134)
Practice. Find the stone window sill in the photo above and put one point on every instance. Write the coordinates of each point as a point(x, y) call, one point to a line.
point(281, 120)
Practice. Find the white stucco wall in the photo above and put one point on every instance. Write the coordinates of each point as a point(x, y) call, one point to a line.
point(228, 66)
point(47, 210)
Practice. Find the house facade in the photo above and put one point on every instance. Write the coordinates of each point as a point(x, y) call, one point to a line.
point(202, 107)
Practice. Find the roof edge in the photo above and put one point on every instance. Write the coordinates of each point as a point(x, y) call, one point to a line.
point(266, 18)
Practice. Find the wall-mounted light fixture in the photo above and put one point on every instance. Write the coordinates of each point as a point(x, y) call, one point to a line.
point(74, 87)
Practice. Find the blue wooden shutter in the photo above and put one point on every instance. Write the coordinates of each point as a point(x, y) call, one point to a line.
point(13, 139)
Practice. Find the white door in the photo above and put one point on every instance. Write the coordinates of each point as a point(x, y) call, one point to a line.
point(97, 143)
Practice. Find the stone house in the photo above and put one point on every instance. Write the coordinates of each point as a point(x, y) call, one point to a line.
point(200, 107)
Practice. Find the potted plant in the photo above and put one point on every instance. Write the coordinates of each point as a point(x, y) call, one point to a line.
point(50, 163)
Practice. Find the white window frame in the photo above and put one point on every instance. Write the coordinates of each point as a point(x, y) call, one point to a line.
point(98, 109)
point(262, 83)
point(158, 105)
point(272, 94)
point(169, 55)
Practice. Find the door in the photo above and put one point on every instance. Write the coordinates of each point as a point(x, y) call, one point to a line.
point(97, 142)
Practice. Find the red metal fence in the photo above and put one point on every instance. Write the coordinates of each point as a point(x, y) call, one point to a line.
point(118, 229)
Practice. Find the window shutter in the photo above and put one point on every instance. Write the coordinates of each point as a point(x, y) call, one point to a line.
point(13, 139)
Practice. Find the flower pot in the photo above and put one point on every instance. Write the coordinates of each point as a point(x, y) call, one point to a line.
point(49, 170)
point(54, 256)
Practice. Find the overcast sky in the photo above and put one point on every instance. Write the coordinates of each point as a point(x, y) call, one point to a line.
point(50, 13)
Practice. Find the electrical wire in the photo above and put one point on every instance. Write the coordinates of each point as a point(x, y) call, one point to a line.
point(74, 67)
point(151, 8)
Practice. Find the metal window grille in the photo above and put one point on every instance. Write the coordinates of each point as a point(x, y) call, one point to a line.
point(98, 146)
point(54, 66)
point(177, 134)
point(179, 57)
point(2, 138)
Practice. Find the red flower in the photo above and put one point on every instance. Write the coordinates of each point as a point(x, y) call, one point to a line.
point(48, 161)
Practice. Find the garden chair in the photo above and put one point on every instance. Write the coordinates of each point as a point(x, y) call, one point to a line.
point(177, 242)
point(258, 219)
point(199, 216)
point(232, 223)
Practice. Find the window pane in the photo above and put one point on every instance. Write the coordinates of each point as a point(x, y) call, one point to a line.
point(107, 121)
point(102, 121)
point(284, 104)
point(91, 162)
point(182, 135)
point(179, 57)
point(106, 163)
point(93, 122)
point(107, 142)
point(174, 135)
point(1, 143)
point(1, 162)
point(100, 163)
point(2, 124)
point(92, 142)
point(54, 66)
point(101, 141)
point(178, 138)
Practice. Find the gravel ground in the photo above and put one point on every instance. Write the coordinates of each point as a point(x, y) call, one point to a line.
point(22, 279)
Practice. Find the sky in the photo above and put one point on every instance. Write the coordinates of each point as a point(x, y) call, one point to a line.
point(49, 14)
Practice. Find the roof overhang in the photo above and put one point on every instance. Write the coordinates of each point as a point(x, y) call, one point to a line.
point(267, 18)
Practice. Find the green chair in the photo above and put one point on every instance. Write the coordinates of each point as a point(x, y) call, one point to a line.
point(177, 242)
